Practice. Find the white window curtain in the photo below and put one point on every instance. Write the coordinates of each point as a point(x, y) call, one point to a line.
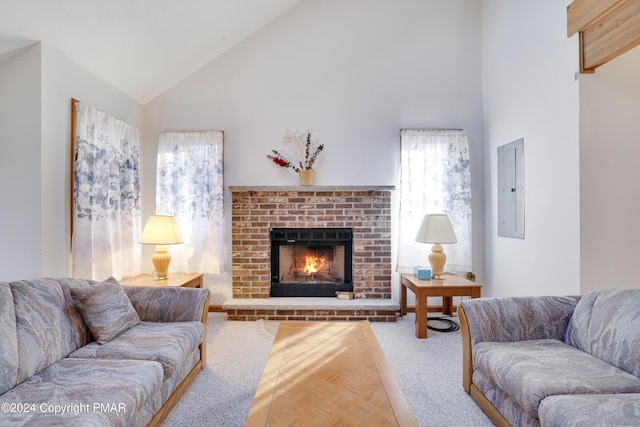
point(435, 177)
point(190, 187)
point(106, 195)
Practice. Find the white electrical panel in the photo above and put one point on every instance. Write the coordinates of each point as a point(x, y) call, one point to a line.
point(511, 190)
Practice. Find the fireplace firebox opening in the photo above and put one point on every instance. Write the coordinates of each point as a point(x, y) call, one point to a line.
point(311, 262)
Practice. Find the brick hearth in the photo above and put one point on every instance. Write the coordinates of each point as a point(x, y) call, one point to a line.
point(365, 209)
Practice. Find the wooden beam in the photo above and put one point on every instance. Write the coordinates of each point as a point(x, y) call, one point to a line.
point(582, 13)
point(611, 35)
point(581, 49)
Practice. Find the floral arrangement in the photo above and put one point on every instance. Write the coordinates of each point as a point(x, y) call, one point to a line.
point(304, 148)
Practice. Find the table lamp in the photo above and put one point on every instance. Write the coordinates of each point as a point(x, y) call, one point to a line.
point(436, 229)
point(161, 230)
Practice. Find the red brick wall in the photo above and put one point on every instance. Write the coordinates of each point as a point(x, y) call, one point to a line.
point(255, 212)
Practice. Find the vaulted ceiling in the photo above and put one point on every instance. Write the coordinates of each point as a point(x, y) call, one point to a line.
point(141, 47)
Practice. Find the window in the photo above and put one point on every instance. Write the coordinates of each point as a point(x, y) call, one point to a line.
point(189, 187)
point(435, 177)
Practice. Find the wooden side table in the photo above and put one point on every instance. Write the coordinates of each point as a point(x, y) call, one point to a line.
point(194, 280)
point(446, 288)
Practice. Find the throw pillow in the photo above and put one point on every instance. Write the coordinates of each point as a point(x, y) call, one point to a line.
point(106, 309)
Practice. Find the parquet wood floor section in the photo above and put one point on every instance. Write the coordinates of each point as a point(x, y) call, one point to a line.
point(328, 374)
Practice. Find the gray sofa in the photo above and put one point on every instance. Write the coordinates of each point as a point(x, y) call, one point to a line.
point(554, 361)
point(77, 352)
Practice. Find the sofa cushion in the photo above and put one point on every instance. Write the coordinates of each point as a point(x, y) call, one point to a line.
point(8, 340)
point(529, 371)
point(174, 345)
point(79, 331)
point(106, 309)
point(606, 324)
point(168, 303)
point(518, 318)
point(610, 410)
point(508, 407)
point(122, 389)
point(43, 329)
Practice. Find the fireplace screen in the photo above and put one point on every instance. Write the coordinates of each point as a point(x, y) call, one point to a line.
point(311, 262)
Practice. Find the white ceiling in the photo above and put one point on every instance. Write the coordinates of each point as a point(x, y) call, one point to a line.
point(141, 47)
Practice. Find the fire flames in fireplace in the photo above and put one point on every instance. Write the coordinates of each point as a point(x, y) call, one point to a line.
point(313, 264)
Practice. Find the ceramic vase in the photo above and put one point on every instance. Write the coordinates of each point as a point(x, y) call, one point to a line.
point(307, 177)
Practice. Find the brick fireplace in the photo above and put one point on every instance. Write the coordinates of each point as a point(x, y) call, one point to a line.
point(364, 209)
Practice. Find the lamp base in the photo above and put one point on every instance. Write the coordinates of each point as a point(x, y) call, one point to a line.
point(437, 259)
point(161, 259)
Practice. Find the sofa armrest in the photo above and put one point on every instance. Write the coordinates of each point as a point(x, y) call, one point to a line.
point(510, 319)
point(169, 304)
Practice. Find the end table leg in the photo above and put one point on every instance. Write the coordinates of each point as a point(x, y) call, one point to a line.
point(403, 299)
point(447, 306)
point(421, 316)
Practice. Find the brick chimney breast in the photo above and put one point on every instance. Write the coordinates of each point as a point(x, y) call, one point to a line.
point(365, 209)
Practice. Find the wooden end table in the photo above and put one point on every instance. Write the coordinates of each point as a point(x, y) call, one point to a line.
point(194, 280)
point(447, 288)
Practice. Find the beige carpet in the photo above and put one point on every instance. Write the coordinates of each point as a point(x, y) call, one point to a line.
point(269, 327)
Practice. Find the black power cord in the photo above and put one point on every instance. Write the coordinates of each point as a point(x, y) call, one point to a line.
point(453, 326)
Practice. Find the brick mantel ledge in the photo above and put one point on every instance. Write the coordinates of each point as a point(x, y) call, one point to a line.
point(313, 188)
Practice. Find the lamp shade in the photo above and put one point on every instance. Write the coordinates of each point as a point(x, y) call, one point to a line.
point(436, 228)
point(161, 230)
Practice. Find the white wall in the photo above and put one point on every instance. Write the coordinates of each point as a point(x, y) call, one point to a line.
point(609, 173)
point(35, 131)
point(62, 80)
point(20, 165)
point(353, 71)
point(530, 92)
